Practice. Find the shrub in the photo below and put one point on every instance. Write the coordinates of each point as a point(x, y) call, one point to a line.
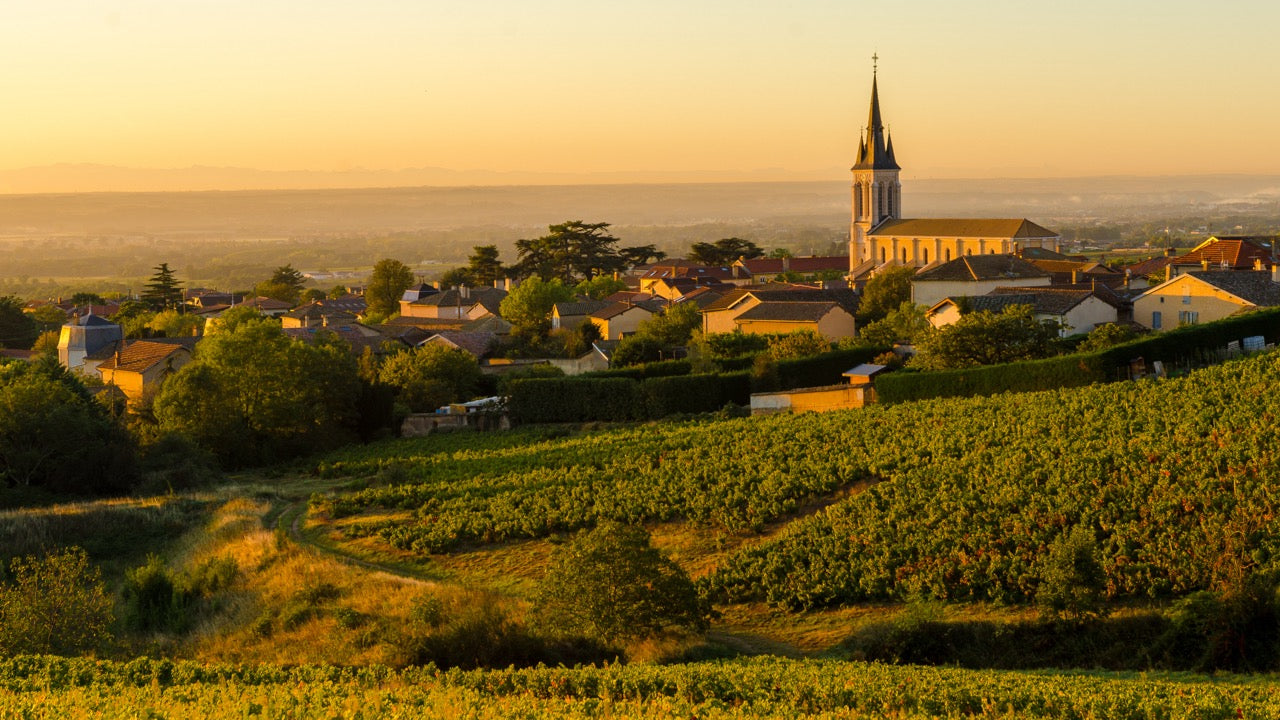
point(56, 604)
point(611, 584)
point(1072, 582)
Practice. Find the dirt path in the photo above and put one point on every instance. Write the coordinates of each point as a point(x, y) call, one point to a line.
point(291, 520)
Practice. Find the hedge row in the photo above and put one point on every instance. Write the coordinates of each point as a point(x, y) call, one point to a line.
point(1187, 343)
point(664, 368)
point(825, 369)
point(583, 399)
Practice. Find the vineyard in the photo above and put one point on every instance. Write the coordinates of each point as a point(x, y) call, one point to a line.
point(73, 688)
point(1171, 477)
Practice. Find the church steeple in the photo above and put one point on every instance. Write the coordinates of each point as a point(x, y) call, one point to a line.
point(876, 153)
point(877, 194)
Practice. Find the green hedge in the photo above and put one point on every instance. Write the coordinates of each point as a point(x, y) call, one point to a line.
point(825, 369)
point(664, 368)
point(575, 399)
point(1188, 343)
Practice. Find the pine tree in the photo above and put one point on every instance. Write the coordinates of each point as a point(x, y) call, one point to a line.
point(163, 290)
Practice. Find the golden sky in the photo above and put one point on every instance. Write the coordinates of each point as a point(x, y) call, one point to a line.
point(661, 87)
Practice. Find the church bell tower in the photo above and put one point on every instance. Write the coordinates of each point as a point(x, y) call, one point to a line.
point(877, 194)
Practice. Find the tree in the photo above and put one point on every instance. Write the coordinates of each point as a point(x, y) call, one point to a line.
point(986, 338)
point(884, 292)
point(456, 277)
point(611, 584)
point(171, 324)
point(386, 286)
point(1107, 335)
point(431, 376)
point(53, 434)
point(798, 344)
point(163, 289)
point(48, 317)
point(133, 316)
point(87, 298)
point(724, 251)
point(599, 287)
point(907, 324)
point(53, 605)
point(285, 284)
point(254, 395)
point(528, 306)
point(46, 345)
point(779, 253)
point(575, 250)
point(16, 329)
point(311, 295)
point(1072, 581)
point(484, 267)
point(674, 325)
point(640, 255)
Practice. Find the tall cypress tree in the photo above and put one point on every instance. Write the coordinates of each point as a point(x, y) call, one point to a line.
point(163, 289)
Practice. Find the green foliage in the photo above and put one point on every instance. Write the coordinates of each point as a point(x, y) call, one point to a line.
point(46, 346)
point(172, 323)
point(53, 434)
point(162, 291)
point(885, 292)
point(285, 284)
point(798, 344)
point(611, 584)
point(575, 400)
point(387, 283)
point(571, 250)
point(986, 338)
point(1237, 629)
point(724, 251)
point(1107, 335)
point(528, 306)
point(87, 298)
point(1073, 584)
point(638, 349)
point(599, 287)
point(905, 324)
point(55, 604)
point(484, 267)
point(430, 376)
point(252, 394)
point(17, 330)
point(976, 489)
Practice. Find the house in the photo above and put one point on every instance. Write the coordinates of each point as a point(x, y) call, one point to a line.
point(359, 337)
point(617, 320)
point(1063, 272)
point(824, 317)
point(721, 315)
point(1226, 252)
point(269, 307)
point(765, 270)
point(684, 269)
point(315, 315)
point(460, 303)
point(569, 315)
point(1077, 310)
point(1200, 296)
point(84, 338)
point(476, 344)
point(678, 287)
point(139, 367)
point(974, 275)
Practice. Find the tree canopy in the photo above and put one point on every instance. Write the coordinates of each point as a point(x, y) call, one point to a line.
point(253, 395)
point(528, 306)
point(17, 330)
point(484, 267)
point(386, 286)
point(611, 584)
point(724, 251)
point(285, 284)
point(987, 338)
point(428, 377)
point(163, 289)
point(884, 292)
point(576, 250)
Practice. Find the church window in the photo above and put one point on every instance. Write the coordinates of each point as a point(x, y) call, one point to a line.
point(948, 254)
point(926, 257)
point(882, 255)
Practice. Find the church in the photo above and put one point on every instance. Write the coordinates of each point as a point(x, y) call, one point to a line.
point(879, 236)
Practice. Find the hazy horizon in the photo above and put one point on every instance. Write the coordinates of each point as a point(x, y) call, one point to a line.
point(576, 91)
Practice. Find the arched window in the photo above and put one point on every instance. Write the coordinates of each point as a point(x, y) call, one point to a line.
point(948, 254)
point(925, 254)
point(883, 255)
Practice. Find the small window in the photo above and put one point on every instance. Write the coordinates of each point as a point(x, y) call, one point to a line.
point(1155, 320)
point(1186, 296)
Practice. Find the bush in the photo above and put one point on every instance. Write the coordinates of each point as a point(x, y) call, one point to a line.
point(610, 584)
point(1072, 582)
point(1234, 630)
point(157, 599)
point(53, 605)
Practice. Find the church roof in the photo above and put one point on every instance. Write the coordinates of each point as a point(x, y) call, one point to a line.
point(969, 268)
point(1012, 228)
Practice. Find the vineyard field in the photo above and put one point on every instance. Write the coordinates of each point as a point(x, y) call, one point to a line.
point(75, 688)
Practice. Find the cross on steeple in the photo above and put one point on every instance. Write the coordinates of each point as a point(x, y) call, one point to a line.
point(875, 62)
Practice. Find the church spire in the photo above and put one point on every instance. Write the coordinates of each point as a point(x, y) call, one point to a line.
point(877, 152)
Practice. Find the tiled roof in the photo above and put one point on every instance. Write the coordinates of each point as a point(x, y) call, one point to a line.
point(1250, 285)
point(686, 269)
point(1150, 267)
point(475, 343)
point(788, 311)
point(141, 355)
point(812, 264)
point(1069, 266)
point(1046, 301)
point(962, 228)
point(705, 295)
point(846, 299)
point(970, 268)
point(453, 298)
point(265, 303)
point(613, 310)
point(582, 307)
point(1235, 253)
point(490, 324)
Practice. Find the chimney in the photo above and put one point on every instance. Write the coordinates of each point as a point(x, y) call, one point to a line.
point(436, 284)
point(1075, 276)
point(466, 292)
point(1168, 252)
point(1204, 264)
point(1168, 271)
point(506, 284)
point(1257, 263)
point(1128, 277)
point(786, 264)
point(1275, 273)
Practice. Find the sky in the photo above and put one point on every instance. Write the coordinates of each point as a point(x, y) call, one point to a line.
point(664, 89)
